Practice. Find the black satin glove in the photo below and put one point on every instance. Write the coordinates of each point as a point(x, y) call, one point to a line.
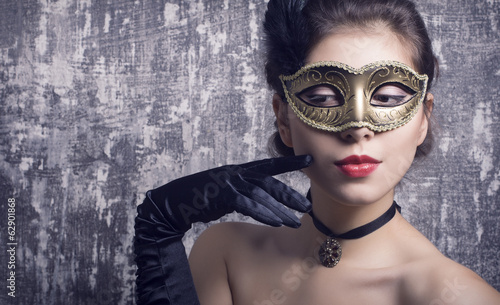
point(163, 275)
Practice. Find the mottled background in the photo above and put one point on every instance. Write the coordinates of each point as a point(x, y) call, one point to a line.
point(103, 100)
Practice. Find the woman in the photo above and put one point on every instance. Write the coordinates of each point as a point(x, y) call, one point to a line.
point(352, 81)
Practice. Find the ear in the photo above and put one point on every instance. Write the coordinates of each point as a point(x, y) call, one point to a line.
point(429, 103)
point(281, 112)
point(424, 125)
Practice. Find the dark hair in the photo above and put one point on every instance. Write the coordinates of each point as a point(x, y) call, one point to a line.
point(292, 28)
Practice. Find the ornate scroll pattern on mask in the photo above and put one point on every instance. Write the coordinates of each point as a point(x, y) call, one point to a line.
point(387, 118)
point(357, 110)
point(329, 116)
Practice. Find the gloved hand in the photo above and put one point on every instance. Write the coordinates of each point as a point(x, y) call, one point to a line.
point(163, 274)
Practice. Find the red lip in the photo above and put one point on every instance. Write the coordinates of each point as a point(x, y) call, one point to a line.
point(358, 166)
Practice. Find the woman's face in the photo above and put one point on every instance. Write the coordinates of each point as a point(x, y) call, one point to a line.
point(335, 171)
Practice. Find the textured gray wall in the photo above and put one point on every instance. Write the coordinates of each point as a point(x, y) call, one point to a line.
point(102, 100)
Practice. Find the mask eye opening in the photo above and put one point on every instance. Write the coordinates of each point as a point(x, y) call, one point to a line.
point(392, 94)
point(322, 96)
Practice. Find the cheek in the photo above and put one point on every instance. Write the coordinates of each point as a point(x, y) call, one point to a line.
point(322, 145)
point(307, 139)
point(298, 134)
point(401, 143)
point(399, 163)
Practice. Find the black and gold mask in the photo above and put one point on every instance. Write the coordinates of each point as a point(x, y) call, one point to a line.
point(333, 96)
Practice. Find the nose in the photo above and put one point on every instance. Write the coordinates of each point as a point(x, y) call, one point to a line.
point(353, 135)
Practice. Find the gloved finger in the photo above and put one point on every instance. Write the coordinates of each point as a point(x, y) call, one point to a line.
point(282, 193)
point(258, 204)
point(275, 166)
point(273, 214)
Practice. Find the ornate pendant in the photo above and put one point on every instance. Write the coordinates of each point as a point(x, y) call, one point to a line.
point(330, 252)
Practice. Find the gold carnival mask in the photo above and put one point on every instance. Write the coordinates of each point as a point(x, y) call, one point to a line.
point(333, 96)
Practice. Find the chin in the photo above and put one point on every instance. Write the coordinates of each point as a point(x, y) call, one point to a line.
point(357, 200)
point(355, 193)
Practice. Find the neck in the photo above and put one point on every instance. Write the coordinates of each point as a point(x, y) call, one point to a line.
point(343, 217)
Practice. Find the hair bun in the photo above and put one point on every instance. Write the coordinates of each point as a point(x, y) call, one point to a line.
point(286, 38)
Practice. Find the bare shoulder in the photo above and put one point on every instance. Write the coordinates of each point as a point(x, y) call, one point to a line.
point(439, 280)
point(211, 257)
point(429, 277)
point(232, 240)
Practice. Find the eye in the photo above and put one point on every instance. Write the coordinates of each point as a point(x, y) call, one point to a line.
point(322, 96)
point(391, 95)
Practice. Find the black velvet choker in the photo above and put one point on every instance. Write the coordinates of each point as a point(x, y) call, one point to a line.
point(331, 251)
